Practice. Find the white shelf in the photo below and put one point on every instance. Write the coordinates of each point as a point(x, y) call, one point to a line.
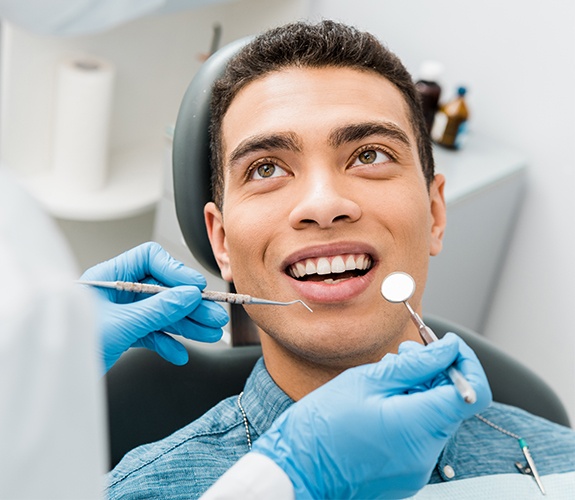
point(155, 58)
point(134, 187)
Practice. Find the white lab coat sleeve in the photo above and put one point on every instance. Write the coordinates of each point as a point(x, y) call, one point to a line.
point(52, 414)
point(253, 477)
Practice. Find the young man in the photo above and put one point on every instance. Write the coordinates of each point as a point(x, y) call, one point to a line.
point(323, 185)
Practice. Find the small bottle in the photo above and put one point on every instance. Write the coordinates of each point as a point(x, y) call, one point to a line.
point(429, 90)
point(450, 126)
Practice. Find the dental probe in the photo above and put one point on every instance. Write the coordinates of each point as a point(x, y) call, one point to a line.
point(399, 287)
point(230, 298)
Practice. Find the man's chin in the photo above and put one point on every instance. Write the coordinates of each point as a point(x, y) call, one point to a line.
point(331, 353)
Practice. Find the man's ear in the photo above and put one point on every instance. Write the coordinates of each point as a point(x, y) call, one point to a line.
point(438, 214)
point(217, 235)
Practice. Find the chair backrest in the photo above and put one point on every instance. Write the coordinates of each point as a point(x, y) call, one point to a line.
point(511, 382)
point(149, 398)
point(191, 155)
point(192, 174)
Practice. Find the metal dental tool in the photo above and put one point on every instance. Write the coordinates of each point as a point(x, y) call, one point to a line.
point(230, 298)
point(399, 287)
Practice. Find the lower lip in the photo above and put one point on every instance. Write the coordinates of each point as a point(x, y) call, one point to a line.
point(321, 292)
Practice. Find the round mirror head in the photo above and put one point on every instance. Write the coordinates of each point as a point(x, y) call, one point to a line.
point(398, 287)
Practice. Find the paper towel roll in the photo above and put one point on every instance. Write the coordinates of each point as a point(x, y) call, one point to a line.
point(84, 92)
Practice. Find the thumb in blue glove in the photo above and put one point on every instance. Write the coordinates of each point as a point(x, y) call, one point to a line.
point(139, 320)
point(376, 430)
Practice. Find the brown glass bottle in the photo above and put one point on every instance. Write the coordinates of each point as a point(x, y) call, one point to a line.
point(429, 91)
point(450, 124)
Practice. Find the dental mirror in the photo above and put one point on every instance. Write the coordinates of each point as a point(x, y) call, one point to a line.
point(398, 287)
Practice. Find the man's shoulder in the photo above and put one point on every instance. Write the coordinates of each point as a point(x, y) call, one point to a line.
point(488, 443)
point(185, 463)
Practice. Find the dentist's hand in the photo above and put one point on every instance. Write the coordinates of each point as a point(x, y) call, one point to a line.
point(140, 320)
point(376, 430)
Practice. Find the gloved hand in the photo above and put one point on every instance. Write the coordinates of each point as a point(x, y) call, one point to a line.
point(376, 430)
point(140, 320)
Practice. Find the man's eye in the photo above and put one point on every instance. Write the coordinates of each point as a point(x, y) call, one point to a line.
point(266, 171)
point(370, 156)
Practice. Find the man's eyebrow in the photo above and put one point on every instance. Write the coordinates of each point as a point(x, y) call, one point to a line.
point(358, 131)
point(265, 142)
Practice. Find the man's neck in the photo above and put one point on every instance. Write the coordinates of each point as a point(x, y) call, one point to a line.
point(298, 376)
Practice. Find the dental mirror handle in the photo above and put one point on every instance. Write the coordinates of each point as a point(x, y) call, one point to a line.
point(459, 381)
point(462, 385)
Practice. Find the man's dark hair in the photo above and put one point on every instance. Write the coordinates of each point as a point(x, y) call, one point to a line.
point(304, 45)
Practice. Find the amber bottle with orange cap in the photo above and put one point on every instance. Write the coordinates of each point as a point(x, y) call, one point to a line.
point(450, 125)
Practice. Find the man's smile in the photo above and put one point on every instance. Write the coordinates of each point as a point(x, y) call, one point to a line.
point(330, 270)
point(331, 273)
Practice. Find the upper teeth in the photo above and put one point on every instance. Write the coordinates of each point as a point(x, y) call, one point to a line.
point(331, 265)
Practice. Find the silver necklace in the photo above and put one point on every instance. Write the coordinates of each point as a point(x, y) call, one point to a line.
point(529, 469)
point(244, 416)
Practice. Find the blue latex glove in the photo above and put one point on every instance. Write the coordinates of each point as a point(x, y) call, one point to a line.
point(376, 430)
point(140, 320)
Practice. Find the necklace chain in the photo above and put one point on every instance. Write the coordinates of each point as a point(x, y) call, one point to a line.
point(244, 416)
point(479, 417)
point(497, 427)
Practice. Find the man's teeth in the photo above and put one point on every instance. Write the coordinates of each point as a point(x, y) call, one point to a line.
point(331, 265)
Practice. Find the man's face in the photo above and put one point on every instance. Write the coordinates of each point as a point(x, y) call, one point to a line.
point(324, 197)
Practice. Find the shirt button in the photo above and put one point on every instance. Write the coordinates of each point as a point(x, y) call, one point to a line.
point(449, 472)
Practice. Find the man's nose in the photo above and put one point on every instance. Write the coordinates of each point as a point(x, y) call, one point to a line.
point(323, 201)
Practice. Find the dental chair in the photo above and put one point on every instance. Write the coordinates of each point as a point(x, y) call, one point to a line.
point(149, 398)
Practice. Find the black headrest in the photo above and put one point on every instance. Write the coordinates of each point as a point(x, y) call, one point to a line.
point(191, 155)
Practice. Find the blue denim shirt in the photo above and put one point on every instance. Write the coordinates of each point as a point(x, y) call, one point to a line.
point(187, 463)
